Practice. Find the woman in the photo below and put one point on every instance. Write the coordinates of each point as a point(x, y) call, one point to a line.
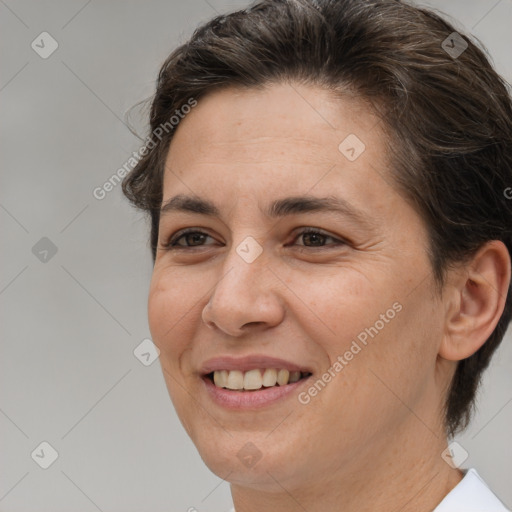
point(331, 235)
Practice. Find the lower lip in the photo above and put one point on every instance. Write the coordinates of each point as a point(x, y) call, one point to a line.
point(250, 399)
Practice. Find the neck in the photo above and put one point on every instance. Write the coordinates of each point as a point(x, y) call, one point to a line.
point(404, 473)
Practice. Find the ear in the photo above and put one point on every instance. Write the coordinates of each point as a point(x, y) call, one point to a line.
point(475, 295)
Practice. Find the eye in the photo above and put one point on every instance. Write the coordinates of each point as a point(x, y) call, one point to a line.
point(191, 236)
point(315, 238)
point(194, 238)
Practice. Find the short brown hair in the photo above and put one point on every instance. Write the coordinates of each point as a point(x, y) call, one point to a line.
point(448, 119)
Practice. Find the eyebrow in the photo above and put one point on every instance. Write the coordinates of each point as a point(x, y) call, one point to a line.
point(279, 208)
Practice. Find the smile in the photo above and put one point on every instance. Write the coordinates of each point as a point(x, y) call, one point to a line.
point(255, 379)
point(264, 390)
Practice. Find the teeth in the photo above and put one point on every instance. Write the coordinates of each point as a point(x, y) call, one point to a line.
point(282, 377)
point(235, 380)
point(294, 377)
point(254, 379)
point(221, 378)
point(270, 377)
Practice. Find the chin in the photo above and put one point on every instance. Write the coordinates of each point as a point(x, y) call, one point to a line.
point(258, 464)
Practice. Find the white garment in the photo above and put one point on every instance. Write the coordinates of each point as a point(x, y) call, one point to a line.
point(471, 494)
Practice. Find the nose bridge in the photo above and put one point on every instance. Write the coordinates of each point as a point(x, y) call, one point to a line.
point(243, 293)
point(242, 275)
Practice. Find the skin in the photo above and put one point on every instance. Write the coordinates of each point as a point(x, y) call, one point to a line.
point(372, 438)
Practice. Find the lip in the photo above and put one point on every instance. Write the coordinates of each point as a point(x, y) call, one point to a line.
point(247, 400)
point(251, 362)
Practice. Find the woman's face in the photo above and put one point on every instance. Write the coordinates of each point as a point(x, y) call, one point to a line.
point(352, 306)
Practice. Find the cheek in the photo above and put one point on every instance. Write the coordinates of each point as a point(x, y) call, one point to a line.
point(171, 301)
point(372, 323)
point(342, 304)
point(170, 304)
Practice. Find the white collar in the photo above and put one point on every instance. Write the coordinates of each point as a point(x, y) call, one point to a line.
point(471, 494)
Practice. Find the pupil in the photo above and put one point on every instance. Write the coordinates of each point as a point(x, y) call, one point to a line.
point(309, 235)
point(193, 237)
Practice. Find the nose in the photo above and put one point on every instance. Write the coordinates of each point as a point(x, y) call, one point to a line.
point(245, 298)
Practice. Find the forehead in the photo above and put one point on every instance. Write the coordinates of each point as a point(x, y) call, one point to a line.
point(282, 138)
point(274, 116)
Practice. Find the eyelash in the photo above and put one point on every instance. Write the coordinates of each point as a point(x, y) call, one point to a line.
point(171, 245)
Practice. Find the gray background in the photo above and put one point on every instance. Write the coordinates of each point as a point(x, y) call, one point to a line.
point(70, 324)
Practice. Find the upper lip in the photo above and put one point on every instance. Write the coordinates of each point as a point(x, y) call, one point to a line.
point(248, 363)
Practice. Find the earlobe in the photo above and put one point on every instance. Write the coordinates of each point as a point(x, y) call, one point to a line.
point(476, 298)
